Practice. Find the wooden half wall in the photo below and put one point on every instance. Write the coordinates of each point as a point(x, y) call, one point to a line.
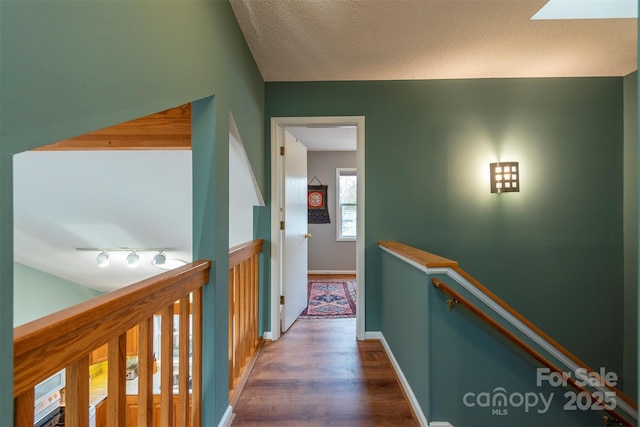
point(166, 130)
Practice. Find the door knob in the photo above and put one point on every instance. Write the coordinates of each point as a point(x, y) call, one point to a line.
point(307, 235)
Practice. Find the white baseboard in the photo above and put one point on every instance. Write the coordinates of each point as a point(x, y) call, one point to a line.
point(227, 418)
point(266, 335)
point(331, 272)
point(413, 401)
point(373, 335)
point(440, 424)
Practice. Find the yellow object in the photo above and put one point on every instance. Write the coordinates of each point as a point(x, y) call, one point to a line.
point(155, 365)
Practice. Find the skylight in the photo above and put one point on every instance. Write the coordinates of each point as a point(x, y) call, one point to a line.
point(588, 9)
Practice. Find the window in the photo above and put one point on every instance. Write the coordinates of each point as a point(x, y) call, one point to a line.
point(346, 183)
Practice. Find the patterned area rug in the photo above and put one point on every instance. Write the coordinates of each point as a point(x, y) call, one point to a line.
point(330, 299)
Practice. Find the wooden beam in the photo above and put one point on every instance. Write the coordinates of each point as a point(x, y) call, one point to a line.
point(166, 130)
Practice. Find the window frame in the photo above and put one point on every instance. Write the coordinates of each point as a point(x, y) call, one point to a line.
point(340, 172)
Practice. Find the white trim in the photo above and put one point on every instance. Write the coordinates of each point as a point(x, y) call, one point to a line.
point(332, 272)
point(360, 241)
point(413, 401)
point(266, 335)
point(438, 270)
point(440, 424)
point(227, 417)
point(275, 231)
point(405, 259)
point(373, 335)
point(340, 238)
point(277, 124)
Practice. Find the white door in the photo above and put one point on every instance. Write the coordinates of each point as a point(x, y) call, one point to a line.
point(294, 237)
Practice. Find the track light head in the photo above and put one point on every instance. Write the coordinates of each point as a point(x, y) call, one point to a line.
point(159, 259)
point(103, 259)
point(132, 259)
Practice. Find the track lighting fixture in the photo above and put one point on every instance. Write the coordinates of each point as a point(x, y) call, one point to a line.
point(160, 259)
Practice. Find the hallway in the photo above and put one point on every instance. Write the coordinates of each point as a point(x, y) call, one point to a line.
point(318, 374)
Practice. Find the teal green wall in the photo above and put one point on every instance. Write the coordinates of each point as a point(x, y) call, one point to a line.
point(406, 323)
point(630, 207)
point(468, 356)
point(554, 251)
point(36, 293)
point(70, 67)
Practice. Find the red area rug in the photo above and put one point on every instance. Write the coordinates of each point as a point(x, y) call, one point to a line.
point(330, 299)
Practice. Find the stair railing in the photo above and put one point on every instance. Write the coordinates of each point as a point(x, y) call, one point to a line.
point(435, 264)
point(66, 338)
point(244, 281)
point(458, 299)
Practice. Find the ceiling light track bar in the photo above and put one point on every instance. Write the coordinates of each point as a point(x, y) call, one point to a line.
point(123, 249)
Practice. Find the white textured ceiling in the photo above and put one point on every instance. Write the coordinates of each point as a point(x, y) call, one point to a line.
point(322, 40)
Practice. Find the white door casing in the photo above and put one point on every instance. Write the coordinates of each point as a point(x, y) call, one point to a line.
point(278, 124)
point(294, 237)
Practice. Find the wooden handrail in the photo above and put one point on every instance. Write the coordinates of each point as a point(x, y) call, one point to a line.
point(429, 260)
point(418, 256)
point(542, 334)
point(46, 345)
point(244, 251)
point(459, 299)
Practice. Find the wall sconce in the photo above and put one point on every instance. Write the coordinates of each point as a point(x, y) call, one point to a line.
point(505, 177)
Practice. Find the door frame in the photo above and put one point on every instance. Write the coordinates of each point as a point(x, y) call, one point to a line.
point(277, 125)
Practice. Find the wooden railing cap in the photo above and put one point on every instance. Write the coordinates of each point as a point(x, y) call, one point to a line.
point(244, 251)
point(421, 257)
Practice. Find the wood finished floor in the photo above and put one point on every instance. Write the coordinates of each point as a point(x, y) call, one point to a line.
point(318, 374)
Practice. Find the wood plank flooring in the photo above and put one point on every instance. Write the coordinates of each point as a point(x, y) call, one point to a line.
point(318, 374)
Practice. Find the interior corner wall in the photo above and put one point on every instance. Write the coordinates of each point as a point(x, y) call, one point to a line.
point(66, 71)
point(554, 250)
point(6, 282)
point(630, 219)
point(39, 294)
point(325, 252)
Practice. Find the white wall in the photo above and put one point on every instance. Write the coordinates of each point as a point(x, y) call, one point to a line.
point(244, 192)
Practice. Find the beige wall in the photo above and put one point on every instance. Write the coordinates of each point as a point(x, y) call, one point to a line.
point(325, 253)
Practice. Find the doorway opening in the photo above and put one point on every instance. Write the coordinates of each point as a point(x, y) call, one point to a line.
point(279, 256)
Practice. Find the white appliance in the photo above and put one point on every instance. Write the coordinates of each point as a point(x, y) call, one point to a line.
point(48, 409)
point(47, 396)
point(92, 416)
